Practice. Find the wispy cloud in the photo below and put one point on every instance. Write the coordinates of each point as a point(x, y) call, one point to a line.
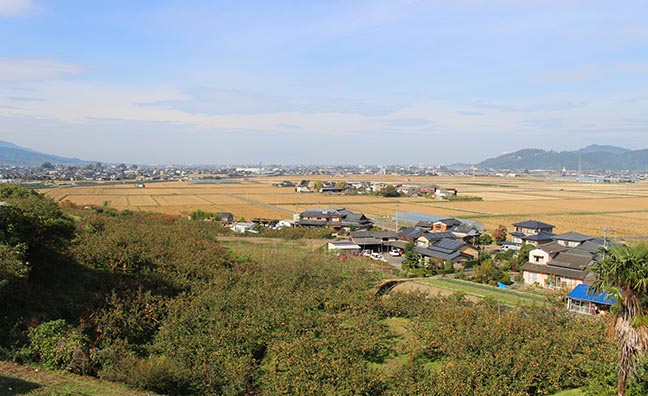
point(13, 8)
point(592, 72)
point(13, 69)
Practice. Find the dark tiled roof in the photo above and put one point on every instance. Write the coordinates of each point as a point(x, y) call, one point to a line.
point(436, 253)
point(571, 259)
point(412, 232)
point(449, 244)
point(533, 224)
point(517, 234)
point(543, 236)
point(431, 236)
point(559, 271)
point(450, 221)
point(573, 237)
point(552, 247)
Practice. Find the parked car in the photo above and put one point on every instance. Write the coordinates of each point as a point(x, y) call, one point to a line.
point(509, 246)
point(394, 252)
point(378, 256)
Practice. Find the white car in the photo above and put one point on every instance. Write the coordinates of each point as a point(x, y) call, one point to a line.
point(509, 246)
point(394, 252)
point(377, 256)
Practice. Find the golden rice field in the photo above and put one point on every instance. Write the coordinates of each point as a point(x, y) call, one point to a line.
point(582, 207)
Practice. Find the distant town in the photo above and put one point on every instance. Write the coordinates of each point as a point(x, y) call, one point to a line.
point(98, 172)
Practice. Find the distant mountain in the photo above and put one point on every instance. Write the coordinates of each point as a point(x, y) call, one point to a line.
point(595, 148)
point(11, 154)
point(592, 158)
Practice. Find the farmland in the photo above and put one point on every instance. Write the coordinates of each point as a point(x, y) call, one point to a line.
point(584, 207)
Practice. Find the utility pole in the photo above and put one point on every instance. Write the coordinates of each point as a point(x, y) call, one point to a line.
point(605, 237)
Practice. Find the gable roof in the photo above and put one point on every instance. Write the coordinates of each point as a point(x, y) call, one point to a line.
point(450, 221)
point(443, 254)
point(559, 271)
point(543, 236)
point(449, 244)
point(411, 232)
point(584, 293)
point(533, 224)
point(570, 259)
point(552, 247)
point(573, 237)
point(433, 236)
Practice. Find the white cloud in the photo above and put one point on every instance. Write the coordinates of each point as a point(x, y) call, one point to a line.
point(10, 8)
point(12, 69)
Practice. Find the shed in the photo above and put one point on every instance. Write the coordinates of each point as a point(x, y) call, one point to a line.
point(585, 300)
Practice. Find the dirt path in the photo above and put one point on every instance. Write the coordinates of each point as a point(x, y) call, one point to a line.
point(434, 291)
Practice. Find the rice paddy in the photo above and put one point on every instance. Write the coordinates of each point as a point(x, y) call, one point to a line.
point(584, 207)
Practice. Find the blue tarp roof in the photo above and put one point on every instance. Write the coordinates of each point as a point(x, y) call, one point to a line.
point(582, 292)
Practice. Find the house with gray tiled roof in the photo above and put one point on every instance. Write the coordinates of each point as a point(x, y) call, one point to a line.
point(554, 264)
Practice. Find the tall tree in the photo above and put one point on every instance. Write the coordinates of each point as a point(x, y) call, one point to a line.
point(623, 274)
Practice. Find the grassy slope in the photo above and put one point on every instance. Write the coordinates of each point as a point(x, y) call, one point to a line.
point(504, 296)
point(24, 380)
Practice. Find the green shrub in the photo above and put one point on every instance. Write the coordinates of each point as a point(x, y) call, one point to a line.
point(57, 345)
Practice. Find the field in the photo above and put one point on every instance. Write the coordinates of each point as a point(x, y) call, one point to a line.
point(25, 380)
point(585, 207)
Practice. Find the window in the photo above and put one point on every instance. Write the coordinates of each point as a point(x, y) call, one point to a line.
point(538, 259)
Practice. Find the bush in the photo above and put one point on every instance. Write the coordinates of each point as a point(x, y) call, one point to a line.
point(57, 345)
point(156, 373)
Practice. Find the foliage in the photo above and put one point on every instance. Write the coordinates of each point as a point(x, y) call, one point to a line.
point(523, 254)
point(55, 343)
point(464, 198)
point(485, 239)
point(500, 233)
point(389, 192)
point(488, 273)
point(623, 274)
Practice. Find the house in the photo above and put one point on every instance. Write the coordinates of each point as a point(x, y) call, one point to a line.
point(335, 217)
point(343, 247)
point(285, 224)
point(242, 228)
point(553, 265)
point(430, 238)
point(378, 241)
point(411, 234)
point(583, 299)
point(225, 217)
point(302, 189)
point(284, 183)
point(440, 251)
point(529, 227)
point(537, 239)
point(572, 239)
point(444, 193)
point(444, 225)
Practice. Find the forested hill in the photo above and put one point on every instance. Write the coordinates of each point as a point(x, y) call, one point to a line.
point(11, 154)
point(591, 158)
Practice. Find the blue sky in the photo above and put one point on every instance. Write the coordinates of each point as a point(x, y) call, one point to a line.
point(321, 82)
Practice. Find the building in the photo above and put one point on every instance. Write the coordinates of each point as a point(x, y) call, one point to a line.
point(528, 228)
point(336, 218)
point(343, 247)
point(583, 299)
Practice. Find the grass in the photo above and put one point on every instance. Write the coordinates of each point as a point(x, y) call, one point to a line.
point(25, 380)
point(569, 392)
point(503, 296)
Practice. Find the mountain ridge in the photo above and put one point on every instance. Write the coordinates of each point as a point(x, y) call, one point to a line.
point(591, 158)
point(14, 155)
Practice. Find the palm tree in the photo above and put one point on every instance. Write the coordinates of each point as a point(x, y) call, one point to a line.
point(623, 274)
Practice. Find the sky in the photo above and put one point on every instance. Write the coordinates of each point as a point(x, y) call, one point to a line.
point(321, 82)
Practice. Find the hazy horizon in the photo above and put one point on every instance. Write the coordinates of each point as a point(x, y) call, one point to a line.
point(373, 82)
